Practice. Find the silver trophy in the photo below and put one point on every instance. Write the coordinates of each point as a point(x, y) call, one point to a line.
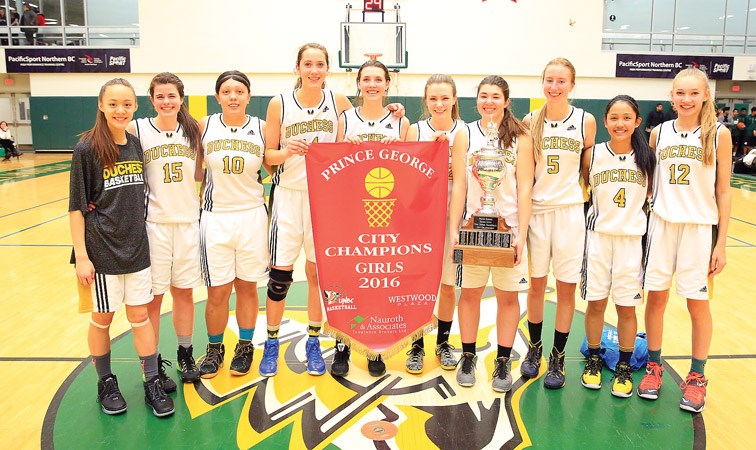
point(485, 239)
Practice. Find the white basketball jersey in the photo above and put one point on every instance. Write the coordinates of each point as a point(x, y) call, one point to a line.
point(424, 133)
point(557, 174)
point(318, 124)
point(506, 193)
point(371, 130)
point(169, 161)
point(683, 185)
point(618, 192)
point(233, 157)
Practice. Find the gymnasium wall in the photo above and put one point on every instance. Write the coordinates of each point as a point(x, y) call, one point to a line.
point(468, 40)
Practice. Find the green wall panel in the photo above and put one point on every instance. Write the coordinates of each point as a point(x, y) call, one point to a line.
point(69, 116)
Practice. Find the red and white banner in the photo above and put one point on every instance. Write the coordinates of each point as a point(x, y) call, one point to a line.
point(378, 219)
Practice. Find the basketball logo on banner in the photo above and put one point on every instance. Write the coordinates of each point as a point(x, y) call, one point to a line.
point(379, 183)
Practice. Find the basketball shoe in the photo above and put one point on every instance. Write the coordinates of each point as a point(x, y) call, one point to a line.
point(414, 362)
point(212, 361)
point(622, 385)
point(651, 383)
point(694, 392)
point(531, 365)
point(242, 360)
point(109, 395)
point(591, 377)
point(269, 362)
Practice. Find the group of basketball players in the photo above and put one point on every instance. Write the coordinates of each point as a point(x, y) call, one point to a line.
point(133, 182)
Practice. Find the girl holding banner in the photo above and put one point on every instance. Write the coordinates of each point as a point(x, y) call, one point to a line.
point(233, 241)
point(557, 228)
point(296, 119)
point(441, 107)
point(370, 121)
point(513, 203)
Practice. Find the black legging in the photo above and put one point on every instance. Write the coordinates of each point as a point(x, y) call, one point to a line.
point(10, 149)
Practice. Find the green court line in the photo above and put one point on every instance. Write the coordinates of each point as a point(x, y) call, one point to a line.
point(27, 173)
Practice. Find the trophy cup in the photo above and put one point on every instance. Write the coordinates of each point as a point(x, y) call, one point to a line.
point(485, 239)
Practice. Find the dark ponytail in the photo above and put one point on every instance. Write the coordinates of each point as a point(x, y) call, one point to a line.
point(645, 158)
point(510, 127)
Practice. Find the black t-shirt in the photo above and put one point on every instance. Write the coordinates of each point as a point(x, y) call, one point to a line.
point(115, 233)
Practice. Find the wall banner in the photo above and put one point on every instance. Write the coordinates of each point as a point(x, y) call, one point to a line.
point(667, 66)
point(71, 60)
point(379, 223)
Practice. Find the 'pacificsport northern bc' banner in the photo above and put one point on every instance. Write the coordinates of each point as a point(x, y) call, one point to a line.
point(68, 60)
point(667, 66)
point(379, 222)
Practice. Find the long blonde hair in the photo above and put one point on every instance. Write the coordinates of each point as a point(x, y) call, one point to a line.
point(707, 116)
point(537, 118)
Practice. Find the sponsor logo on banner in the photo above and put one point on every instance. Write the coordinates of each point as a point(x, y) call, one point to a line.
point(67, 60)
point(667, 66)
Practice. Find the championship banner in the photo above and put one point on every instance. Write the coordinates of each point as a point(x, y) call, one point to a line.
point(379, 223)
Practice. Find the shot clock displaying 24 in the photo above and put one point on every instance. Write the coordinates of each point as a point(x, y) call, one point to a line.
point(373, 5)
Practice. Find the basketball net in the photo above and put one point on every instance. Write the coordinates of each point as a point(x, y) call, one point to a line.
point(379, 212)
point(373, 56)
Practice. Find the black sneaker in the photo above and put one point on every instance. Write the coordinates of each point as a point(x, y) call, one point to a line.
point(376, 367)
point(109, 396)
point(212, 361)
point(186, 366)
point(531, 365)
point(554, 378)
point(156, 398)
point(168, 384)
point(340, 364)
point(242, 360)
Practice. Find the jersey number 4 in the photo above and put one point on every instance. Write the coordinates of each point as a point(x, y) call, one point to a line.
point(619, 198)
point(173, 172)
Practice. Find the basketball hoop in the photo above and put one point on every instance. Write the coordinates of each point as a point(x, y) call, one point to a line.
point(373, 56)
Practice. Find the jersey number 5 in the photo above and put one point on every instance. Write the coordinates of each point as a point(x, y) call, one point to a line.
point(173, 172)
point(553, 163)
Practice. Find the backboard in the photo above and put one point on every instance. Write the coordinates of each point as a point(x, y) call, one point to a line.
point(360, 39)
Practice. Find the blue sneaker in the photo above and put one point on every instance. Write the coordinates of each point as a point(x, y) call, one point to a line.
point(315, 363)
point(269, 362)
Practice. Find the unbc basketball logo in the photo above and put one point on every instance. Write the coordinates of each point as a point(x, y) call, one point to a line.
point(379, 183)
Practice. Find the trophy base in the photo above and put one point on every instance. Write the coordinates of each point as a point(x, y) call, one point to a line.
point(484, 256)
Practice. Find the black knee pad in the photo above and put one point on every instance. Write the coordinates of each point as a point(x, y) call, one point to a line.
point(279, 283)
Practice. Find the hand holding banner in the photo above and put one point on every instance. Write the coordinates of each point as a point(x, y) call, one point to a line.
point(378, 218)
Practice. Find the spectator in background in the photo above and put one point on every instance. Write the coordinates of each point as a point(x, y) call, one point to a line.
point(15, 18)
point(29, 24)
point(672, 114)
point(3, 22)
point(7, 141)
point(750, 133)
point(654, 118)
point(726, 115)
point(738, 131)
point(41, 22)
